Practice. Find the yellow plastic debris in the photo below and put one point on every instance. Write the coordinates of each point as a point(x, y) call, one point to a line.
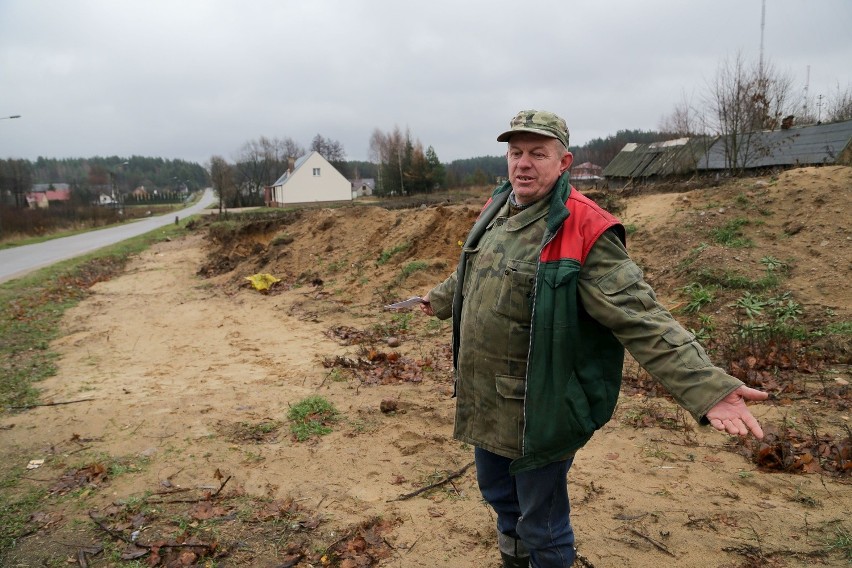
point(262, 282)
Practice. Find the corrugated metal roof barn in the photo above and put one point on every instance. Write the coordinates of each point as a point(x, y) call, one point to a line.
point(804, 145)
point(658, 159)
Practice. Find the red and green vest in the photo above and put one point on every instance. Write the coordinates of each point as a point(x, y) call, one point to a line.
point(574, 364)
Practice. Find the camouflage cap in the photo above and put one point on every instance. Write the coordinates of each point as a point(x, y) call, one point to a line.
point(538, 122)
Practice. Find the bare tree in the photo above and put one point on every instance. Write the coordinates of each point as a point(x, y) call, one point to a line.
point(742, 101)
point(258, 164)
point(685, 119)
point(331, 150)
point(389, 150)
point(839, 106)
point(221, 176)
point(292, 149)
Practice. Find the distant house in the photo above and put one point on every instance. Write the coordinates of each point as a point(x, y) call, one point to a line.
point(309, 180)
point(43, 194)
point(363, 187)
point(586, 173)
point(106, 200)
point(37, 200)
point(586, 170)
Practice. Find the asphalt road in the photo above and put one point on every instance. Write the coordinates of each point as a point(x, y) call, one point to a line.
point(18, 261)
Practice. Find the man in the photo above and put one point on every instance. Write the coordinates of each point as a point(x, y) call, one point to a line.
point(544, 301)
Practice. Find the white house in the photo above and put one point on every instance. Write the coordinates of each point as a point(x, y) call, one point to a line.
point(310, 179)
point(362, 187)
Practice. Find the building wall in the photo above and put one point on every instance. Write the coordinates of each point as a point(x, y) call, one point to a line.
point(304, 187)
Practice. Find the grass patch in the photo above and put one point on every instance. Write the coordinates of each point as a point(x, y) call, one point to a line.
point(692, 256)
point(311, 417)
point(399, 324)
point(387, 254)
point(733, 281)
point(840, 542)
point(281, 240)
point(16, 510)
point(698, 295)
point(730, 234)
point(413, 267)
point(840, 328)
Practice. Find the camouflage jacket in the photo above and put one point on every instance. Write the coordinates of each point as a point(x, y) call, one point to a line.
point(537, 375)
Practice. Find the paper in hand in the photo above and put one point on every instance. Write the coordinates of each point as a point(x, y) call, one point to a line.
point(415, 301)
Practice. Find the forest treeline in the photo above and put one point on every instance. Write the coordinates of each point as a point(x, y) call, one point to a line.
point(158, 173)
point(89, 177)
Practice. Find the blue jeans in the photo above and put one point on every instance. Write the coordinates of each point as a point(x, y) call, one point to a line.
point(532, 505)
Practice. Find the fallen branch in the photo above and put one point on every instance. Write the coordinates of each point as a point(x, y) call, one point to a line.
point(114, 534)
point(227, 479)
point(121, 536)
point(582, 561)
point(189, 500)
point(28, 406)
point(447, 479)
point(656, 544)
point(84, 553)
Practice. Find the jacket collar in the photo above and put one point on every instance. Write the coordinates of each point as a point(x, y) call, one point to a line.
point(557, 212)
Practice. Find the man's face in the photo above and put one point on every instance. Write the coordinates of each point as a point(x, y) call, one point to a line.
point(535, 163)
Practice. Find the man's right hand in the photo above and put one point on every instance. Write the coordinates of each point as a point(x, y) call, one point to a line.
point(426, 306)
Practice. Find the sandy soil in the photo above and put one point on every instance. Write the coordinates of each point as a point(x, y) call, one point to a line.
point(175, 365)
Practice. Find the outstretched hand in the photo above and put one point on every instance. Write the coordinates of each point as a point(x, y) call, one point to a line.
point(731, 414)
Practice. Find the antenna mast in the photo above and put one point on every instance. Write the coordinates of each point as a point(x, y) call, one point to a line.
point(762, 25)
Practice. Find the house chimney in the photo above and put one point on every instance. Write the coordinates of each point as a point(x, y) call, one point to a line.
point(291, 164)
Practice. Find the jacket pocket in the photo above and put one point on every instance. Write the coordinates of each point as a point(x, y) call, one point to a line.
point(516, 287)
point(625, 288)
point(558, 296)
point(508, 427)
point(688, 352)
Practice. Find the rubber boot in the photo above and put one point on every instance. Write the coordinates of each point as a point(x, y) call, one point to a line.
point(513, 552)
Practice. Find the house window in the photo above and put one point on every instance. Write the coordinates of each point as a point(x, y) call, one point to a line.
point(316, 172)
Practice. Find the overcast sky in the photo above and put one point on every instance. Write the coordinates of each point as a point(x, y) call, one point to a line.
point(192, 78)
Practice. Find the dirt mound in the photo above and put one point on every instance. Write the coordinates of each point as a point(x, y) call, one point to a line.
point(796, 217)
point(784, 233)
point(363, 251)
